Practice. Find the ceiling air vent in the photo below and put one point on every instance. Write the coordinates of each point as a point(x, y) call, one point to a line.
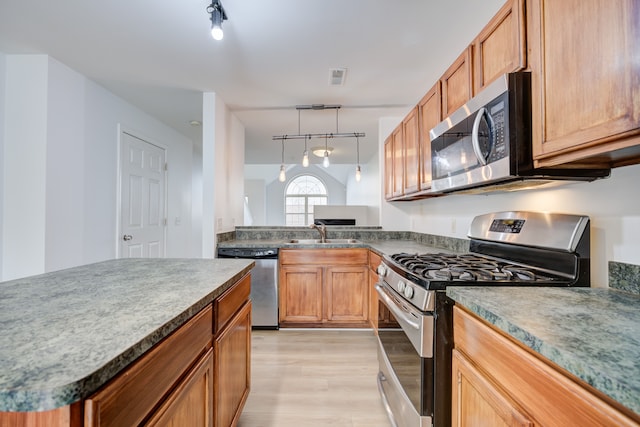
point(337, 76)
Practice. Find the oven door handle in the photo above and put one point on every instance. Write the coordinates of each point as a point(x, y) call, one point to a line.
point(395, 306)
point(385, 399)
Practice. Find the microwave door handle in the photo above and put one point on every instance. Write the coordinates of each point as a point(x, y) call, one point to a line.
point(475, 141)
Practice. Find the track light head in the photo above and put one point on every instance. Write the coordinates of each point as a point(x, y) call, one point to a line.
point(218, 15)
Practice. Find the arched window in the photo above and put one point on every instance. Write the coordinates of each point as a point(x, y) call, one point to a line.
point(302, 194)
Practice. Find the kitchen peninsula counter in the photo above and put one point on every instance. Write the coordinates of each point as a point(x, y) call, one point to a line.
point(64, 334)
point(594, 334)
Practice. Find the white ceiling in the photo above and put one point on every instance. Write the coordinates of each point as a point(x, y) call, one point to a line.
point(159, 55)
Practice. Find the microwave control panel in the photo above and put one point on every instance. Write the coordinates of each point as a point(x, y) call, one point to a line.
point(500, 148)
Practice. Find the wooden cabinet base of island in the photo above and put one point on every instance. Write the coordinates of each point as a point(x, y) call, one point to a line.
point(501, 382)
point(324, 288)
point(198, 376)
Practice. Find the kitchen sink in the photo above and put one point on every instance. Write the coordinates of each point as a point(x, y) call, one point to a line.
point(326, 242)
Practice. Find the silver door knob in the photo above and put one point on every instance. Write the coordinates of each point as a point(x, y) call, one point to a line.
point(127, 237)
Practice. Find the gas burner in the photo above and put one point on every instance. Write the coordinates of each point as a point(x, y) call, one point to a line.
point(468, 267)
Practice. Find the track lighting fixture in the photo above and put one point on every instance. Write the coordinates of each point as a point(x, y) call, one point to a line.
point(358, 169)
point(305, 155)
point(218, 15)
point(325, 151)
point(325, 161)
point(283, 176)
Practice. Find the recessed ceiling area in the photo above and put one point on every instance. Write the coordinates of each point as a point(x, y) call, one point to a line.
point(160, 57)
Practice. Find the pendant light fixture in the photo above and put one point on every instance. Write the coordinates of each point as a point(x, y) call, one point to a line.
point(218, 15)
point(325, 161)
point(358, 170)
point(305, 155)
point(325, 151)
point(283, 176)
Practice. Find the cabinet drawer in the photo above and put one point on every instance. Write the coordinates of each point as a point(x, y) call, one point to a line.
point(132, 395)
point(230, 301)
point(332, 256)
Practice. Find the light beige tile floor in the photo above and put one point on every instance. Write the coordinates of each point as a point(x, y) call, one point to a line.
point(313, 378)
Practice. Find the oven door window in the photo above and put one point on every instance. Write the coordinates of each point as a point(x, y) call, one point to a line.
point(414, 373)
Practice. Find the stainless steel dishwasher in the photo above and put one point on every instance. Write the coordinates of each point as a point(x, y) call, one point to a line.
point(264, 283)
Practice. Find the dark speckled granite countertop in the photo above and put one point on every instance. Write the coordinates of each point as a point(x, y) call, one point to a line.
point(66, 333)
point(592, 333)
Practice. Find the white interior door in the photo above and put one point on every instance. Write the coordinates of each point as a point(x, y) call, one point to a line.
point(142, 204)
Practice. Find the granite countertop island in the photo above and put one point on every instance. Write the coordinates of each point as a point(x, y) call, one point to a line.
point(592, 333)
point(66, 333)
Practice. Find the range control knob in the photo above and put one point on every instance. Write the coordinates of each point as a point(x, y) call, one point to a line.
point(381, 270)
point(401, 286)
point(408, 292)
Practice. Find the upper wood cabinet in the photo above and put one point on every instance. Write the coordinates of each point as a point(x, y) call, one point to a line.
point(501, 47)
point(388, 168)
point(411, 143)
point(398, 161)
point(585, 61)
point(429, 115)
point(457, 83)
point(232, 368)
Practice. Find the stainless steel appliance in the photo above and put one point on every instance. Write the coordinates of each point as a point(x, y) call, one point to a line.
point(486, 144)
point(264, 283)
point(416, 339)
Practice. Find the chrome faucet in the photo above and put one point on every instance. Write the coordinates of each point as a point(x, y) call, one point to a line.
point(322, 229)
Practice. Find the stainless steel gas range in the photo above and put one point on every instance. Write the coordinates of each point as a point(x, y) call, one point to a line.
point(416, 338)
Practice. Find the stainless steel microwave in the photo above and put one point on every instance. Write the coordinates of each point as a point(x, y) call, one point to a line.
point(486, 144)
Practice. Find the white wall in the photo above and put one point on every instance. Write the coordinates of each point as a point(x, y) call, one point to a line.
point(223, 171)
point(60, 164)
point(275, 190)
point(368, 191)
point(266, 193)
point(3, 67)
point(25, 151)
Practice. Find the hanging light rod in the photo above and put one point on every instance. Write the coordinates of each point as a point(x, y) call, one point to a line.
point(326, 135)
point(318, 107)
point(319, 135)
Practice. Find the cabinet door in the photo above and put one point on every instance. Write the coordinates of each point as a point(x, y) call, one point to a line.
point(410, 139)
point(232, 368)
point(388, 168)
point(191, 403)
point(475, 397)
point(429, 115)
point(501, 46)
point(347, 294)
point(585, 61)
point(300, 294)
point(456, 84)
point(398, 161)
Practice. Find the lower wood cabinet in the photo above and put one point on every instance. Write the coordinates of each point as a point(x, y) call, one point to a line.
point(324, 287)
point(191, 402)
point(502, 383)
point(232, 368)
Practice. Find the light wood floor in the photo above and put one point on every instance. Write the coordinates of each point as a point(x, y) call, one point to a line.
point(313, 378)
